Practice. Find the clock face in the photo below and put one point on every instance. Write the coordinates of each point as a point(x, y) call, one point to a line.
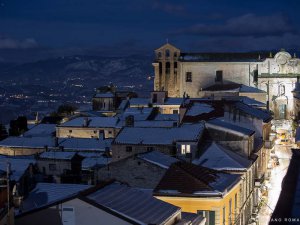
point(281, 60)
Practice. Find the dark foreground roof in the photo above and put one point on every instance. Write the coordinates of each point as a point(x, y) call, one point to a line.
point(134, 204)
point(186, 179)
point(288, 205)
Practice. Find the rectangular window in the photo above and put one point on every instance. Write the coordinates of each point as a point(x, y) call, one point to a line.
point(128, 148)
point(154, 99)
point(149, 149)
point(52, 167)
point(185, 149)
point(175, 111)
point(219, 76)
point(188, 77)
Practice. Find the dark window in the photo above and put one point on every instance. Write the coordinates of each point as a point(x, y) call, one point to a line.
point(70, 131)
point(175, 65)
point(188, 77)
point(128, 148)
point(159, 55)
point(175, 54)
point(168, 68)
point(167, 53)
point(160, 67)
point(219, 76)
point(255, 76)
point(149, 149)
point(154, 100)
point(175, 111)
point(52, 167)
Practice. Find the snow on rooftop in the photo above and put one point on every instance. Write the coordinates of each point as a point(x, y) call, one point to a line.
point(46, 193)
point(154, 123)
point(40, 130)
point(92, 122)
point(139, 102)
point(158, 159)
point(91, 162)
point(217, 157)
point(18, 166)
point(198, 109)
point(29, 142)
point(258, 113)
point(134, 204)
point(57, 155)
point(136, 135)
point(229, 127)
point(248, 89)
point(168, 117)
point(85, 144)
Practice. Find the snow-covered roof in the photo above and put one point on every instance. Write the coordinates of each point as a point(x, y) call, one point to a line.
point(92, 162)
point(92, 122)
point(61, 155)
point(249, 89)
point(29, 142)
point(137, 135)
point(46, 193)
point(252, 102)
point(258, 113)
point(134, 204)
point(139, 102)
point(198, 109)
point(148, 136)
point(158, 158)
point(229, 127)
point(218, 157)
point(154, 123)
point(18, 166)
point(85, 144)
point(169, 117)
point(41, 130)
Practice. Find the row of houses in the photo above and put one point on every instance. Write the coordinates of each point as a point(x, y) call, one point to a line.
point(206, 157)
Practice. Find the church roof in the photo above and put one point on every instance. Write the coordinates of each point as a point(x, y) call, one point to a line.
point(224, 57)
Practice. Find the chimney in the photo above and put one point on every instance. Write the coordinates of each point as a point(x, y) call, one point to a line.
point(85, 122)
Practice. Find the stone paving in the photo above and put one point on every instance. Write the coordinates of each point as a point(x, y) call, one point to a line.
point(284, 154)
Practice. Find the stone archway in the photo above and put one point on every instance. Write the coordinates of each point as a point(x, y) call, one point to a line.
point(280, 107)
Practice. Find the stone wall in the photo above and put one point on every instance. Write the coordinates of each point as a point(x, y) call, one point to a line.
point(133, 171)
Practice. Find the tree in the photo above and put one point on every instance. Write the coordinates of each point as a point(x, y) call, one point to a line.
point(66, 109)
point(18, 126)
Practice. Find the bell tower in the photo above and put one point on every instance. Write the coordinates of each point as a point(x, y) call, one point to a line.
point(166, 70)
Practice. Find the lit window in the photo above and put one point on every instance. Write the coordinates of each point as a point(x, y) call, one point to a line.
point(185, 149)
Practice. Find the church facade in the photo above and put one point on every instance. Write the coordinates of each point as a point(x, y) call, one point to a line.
point(188, 74)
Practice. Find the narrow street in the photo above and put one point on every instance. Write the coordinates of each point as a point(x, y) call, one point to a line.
point(277, 174)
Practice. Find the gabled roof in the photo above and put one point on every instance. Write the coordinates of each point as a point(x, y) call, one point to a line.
point(94, 122)
point(57, 155)
point(158, 158)
point(199, 108)
point(229, 127)
point(224, 57)
point(185, 179)
point(46, 193)
point(29, 142)
point(134, 204)
point(249, 89)
point(217, 157)
point(258, 113)
point(85, 144)
point(157, 136)
point(41, 130)
point(167, 45)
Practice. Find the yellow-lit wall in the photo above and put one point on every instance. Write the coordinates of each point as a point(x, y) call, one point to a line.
point(194, 204)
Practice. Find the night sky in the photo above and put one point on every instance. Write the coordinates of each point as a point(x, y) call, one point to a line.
point(139, 26)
